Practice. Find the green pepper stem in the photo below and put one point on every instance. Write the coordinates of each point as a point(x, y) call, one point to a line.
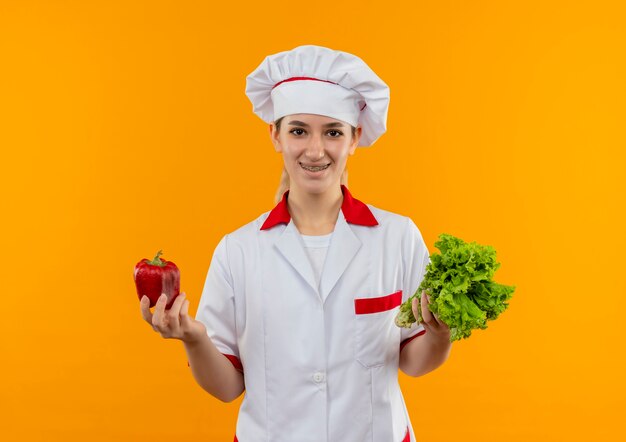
point(158, 261)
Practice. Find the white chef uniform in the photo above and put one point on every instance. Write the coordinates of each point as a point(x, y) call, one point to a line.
point(320, 363)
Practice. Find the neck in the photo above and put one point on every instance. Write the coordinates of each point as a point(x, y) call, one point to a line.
point(315, 213)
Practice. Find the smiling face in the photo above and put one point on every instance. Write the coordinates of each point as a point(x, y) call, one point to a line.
point(315, 150)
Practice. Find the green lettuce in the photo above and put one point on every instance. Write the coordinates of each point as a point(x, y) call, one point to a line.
point(459, 283)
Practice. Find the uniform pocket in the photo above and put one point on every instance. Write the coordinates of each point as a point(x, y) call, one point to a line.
point(376, 332)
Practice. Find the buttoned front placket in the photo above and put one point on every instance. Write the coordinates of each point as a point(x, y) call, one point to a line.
point(319, 375)
point(296, 344)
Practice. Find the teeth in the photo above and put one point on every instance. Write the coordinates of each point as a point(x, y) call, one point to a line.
point(314, 169)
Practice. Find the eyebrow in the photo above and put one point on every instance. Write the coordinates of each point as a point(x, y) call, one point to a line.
point(300, 123)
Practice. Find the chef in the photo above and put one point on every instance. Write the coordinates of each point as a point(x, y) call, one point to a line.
point(298, 305)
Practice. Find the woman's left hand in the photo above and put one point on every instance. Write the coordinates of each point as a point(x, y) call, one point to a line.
point(433, 325)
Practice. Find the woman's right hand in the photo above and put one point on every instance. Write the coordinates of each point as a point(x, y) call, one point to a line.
point(174, 323)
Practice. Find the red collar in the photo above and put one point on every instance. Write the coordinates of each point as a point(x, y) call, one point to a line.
point(354, 211)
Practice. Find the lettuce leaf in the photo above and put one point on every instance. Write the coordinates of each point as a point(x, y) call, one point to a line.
point(459, 282)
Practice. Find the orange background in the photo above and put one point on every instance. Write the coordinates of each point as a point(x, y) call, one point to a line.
point(125, 129)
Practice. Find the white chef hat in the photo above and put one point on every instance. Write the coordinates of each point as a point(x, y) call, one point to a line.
point(316, 80)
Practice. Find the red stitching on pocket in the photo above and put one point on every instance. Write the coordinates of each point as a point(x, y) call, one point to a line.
point(363, 306)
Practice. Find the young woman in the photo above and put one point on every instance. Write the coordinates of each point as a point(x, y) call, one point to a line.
point(298, 306)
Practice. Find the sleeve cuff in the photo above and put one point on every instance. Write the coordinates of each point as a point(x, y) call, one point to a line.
point(233, 359)
point(407, 340)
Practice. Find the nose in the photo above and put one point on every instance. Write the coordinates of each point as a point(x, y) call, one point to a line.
point(315, 149)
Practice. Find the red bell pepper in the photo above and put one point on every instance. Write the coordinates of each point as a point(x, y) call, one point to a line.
point(155, 277)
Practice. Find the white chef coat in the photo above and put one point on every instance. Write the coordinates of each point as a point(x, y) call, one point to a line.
point(320, 363)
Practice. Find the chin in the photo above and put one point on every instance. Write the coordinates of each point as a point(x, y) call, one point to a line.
point(317, 187)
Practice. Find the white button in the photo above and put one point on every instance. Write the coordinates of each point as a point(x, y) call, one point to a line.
point(318, 377)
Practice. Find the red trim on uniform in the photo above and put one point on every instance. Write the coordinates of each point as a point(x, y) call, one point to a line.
point(363, 306)
point(355, 211)
point(279, 214)
point(407, 340)
point(302, 78)
point(235, 361)
point(235, 439)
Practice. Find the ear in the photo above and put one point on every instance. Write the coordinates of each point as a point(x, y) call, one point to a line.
point(355, 143)
point(274, 137)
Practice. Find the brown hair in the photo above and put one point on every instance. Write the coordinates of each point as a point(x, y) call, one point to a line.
point(284, 177)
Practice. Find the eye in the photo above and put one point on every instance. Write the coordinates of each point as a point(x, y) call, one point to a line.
point(338, 132)
point(293, 131)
